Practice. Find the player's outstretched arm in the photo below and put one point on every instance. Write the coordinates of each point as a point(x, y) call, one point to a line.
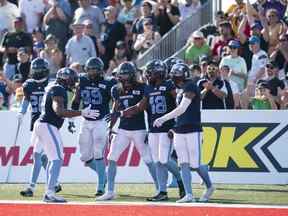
point(133, 110)
point(179, 110)
point(58, 107)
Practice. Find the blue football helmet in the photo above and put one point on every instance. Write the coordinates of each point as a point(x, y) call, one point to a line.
point(39, 69)
point(172, 61)
point(155, 70)
point(94, 67)
point(180, 70)
point(67, 77)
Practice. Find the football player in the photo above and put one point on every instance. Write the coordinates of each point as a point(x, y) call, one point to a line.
point(187, 131)
point(46, 133)
point(94, 90)
point(34, 89)
point(127, 93)
point(159, 99)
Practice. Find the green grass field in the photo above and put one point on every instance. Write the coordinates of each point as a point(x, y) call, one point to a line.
point(228, 194)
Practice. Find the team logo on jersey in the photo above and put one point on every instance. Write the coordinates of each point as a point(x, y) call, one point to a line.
point(162, 88)
point(136, 92)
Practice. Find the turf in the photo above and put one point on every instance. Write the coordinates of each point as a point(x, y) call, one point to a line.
point(233, 194)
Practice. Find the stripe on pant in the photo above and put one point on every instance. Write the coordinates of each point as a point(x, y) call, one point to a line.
point(55, 141)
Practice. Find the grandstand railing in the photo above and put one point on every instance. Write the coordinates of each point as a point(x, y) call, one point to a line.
point(177, 37)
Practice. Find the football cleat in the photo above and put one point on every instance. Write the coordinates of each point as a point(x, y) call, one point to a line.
point(99, 193)
point(52, 198)
point(109, 195)
point(58, 188)
point(28, 192)
point(181, 189)
point(186, 199)
point(207, 194)
point(161, 196)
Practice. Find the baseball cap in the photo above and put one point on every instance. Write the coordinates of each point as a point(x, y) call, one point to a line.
point(197, 34)
point(256, 25)
point(18, 19)
point(204, 58)
point(234, 44)
point(147, 3)
point(22, 50)
point(77, 23)
point(254, 40)
point(50, 37)
point(109, 8)
point(147, 21)
point(87, 22)
point(120, 44)
point(225, 23)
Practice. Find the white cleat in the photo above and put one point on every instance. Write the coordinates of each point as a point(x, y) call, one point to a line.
point(109, 195)
point(207, 194)
point(52, 198)
point(186, 199)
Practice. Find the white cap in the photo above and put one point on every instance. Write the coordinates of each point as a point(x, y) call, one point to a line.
point(197, 34)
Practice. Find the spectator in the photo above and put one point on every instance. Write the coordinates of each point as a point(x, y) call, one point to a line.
point(8, 13)
point(32, 12)
point(52, 54)
point(226, 34)
point(119, 57)
point(80, 47)
point(129, 40)
point(11, 42)
point(203, 60)
point(274, 29)
point(56, 21)
point(6, 89)
point(146, 12)
point(17, 94)
point(128, 12)
point(188, 7)
point(23, 67)
point(284, 100)
point(259, 61)
point(167, 15)
point(91, 12)
point(213, 89)
point(237, 65)
point(88, 30)
point(38, 42)
point(233, 103)
point(275, 85)
point(198, 47)
point(235, 14)
point(112, 31)
point(280, 56)
point(262, 99)
point(148, 38)
point(2, 107)
point(255, 30)
point(196, 73)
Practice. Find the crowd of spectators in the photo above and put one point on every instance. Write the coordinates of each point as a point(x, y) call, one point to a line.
point(68, 32)
point(241, 61)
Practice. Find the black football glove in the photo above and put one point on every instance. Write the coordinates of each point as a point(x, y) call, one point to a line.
point(112, 116)
point(71, 127)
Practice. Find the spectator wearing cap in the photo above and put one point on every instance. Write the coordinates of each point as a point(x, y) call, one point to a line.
point(275, 28)
point(263, 99)
point(148, 38)
point(226, 34)
point(128, 11)
point(188, 7)
point(6, 89)
point(23, 66)
point(280, 56)
point(275, 85)
point(56, 21)
point(38, 42)
point(119, 57)
point(237, 65)
point(88, 30)
point(255, 30)
point(12, 42)
point(32, 12)
point(197, 47)
point(145, 12)
point(213, 89)
point(112, 31)
point(167, 15)
point(52, 54)
point(196, 73)
point(235, 13)
point(79, 47)
point(203, 61)
point(92, 12)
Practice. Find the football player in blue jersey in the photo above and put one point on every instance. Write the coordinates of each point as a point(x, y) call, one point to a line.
point(46, 133)
point(128, 92)
point(159, 99)
point(187, 131)
point(34, 89)
point(94, 90)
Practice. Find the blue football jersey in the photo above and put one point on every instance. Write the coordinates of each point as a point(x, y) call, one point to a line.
point(160, 102)
point(48, 115)
point(98, 94)
point(35, 91)
point(127, 99)
point(190, 120)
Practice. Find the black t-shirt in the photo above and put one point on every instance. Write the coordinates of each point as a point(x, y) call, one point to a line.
point(137, 27)
point(17, 40)
point(163, 20)
point(280, 60)
point(24, 69)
